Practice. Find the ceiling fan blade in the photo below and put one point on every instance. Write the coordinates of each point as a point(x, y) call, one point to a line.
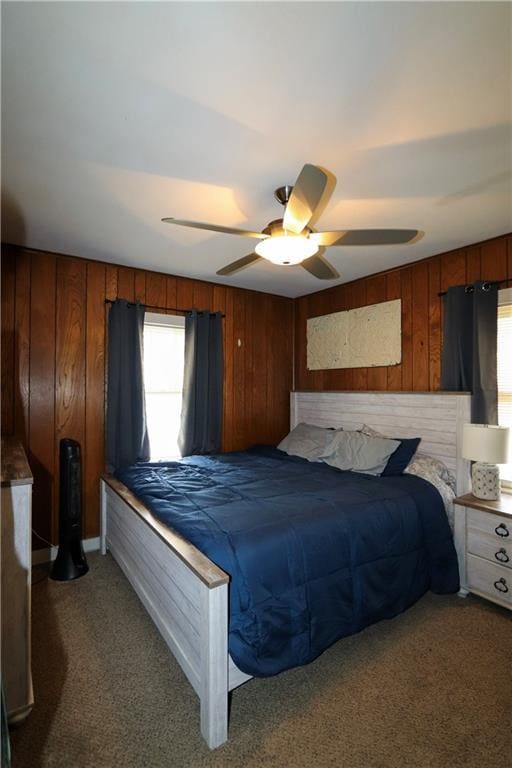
point(367, 237)
point(318, 266)
point(214, 228)
point(324, 200)
point(230, 269)
point(309, 192)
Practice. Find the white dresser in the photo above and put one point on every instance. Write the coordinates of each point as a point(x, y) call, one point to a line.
point(16, 575)
point(483, 538)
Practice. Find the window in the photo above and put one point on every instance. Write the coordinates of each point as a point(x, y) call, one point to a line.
point(164, 353)
point(505, 369)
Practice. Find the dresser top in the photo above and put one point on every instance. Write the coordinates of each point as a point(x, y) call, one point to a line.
point(502, 506)
point(15, 468)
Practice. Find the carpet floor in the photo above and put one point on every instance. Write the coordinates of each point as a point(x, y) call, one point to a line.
point(432, 688)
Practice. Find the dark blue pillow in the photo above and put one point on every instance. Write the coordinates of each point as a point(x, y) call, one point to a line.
point(400, 458)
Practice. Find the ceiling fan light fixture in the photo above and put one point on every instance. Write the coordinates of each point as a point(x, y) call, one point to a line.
point(292, 239)
point(286, 250)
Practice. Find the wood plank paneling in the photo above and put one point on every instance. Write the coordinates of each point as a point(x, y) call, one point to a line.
point(70, 329)
point(473, 264)
point(156, 290)
point(22, 347)
point(315, 307)
point(184, 293)
point(301, 373)
point(358, 299)
point(239, 384)
point(126, 283)
point(70, 347)
point(220, 305)
point(394, 291)
point(420, 327)
point(283, 371)
point(111, 283)
point(337, 302)
point(229, 362)
point(453, 269)
point(248, 368)
point(348, 300)
point(140, 285)
point(203, 295)
point(407, 310)
point(434, 323)
point(41, 443)
point(170, 292)
point(494, 260)
point(8, 345)
point(272, 352)
point(56, 304)
point(94, 453)
point(259, 372)
point(376, 290)
point(417, 285)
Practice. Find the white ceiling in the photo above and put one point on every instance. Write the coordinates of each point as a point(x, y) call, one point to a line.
point(117, 114)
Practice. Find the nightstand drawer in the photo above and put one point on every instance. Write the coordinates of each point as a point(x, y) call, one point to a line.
point(489, 547)
point(496, 526)
point(489, 579)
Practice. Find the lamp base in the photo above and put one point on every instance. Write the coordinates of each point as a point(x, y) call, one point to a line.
point(486, 481)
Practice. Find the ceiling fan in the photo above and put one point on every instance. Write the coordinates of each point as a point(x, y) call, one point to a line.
point(293, 239)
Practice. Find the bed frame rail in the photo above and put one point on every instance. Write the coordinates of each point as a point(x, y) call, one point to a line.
point(185, 594)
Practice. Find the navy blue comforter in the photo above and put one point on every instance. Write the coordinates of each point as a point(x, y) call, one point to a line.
point(314, 554)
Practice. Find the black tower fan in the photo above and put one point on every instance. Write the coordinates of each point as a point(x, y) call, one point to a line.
point(70, 562)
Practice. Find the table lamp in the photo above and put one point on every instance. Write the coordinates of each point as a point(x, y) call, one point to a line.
point(486, 445)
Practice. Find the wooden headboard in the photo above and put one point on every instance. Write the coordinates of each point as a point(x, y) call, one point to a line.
point(436, 417)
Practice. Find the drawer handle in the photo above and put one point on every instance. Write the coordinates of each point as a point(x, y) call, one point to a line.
point(502, 530)
point(501, 555)
point(501, 585)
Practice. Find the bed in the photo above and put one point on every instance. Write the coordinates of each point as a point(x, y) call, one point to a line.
point(187, 594)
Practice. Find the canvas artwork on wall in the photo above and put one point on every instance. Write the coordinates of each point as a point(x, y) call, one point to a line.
point(365, 337)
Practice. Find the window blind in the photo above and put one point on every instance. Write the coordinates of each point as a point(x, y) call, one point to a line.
point(505, 375)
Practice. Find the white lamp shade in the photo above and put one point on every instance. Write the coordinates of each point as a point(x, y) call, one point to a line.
point(486, 442)
point(286, 250)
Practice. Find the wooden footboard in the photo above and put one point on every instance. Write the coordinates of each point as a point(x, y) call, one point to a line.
point(185, 594)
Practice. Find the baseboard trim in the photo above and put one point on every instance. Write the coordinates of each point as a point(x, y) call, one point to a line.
point(48, 554)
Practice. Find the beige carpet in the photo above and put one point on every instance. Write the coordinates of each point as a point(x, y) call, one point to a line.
point(431, 688)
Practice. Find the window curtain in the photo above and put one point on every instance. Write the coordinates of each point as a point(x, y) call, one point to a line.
point(470, 331)
point(127, 436)
point(201, 414)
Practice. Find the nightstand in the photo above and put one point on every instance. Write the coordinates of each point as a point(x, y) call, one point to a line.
point(483, 540)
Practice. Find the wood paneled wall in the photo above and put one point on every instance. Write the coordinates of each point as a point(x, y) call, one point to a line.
point(53, 362)
point(54, 335)
point(417, 285)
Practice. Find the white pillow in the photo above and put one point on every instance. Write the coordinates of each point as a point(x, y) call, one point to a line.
point(358, 452)
point(306, 441)
point(428, 467)
point(439, 475)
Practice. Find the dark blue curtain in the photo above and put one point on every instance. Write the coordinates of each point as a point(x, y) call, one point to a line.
point(470, 331)
point(127, 436)
point(201, 415)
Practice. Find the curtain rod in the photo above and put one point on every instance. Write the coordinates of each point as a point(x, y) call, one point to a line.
point(163, 309)
point(485, 286)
